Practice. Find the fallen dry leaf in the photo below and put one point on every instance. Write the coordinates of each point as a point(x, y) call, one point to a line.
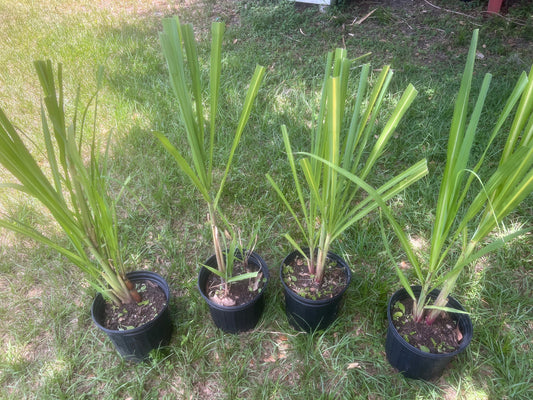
point(257, 281)
point(269, 359)
point(404, 265)
point(459, 334)
point(353, 365)
point(283, 347)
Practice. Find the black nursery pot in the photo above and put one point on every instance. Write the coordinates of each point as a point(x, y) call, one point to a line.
point(135, 344)
point(309, 315)
point(239, 318)
point(413, 362)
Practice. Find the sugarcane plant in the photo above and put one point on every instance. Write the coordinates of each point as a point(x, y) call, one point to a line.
point(473, 201)
point(181, 54)
point(74, 192)
point(329, 202)
point(493, 199)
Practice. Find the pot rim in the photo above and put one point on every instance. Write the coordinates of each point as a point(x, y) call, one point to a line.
point(293, 294)
point(468, 333)
point(136, 276)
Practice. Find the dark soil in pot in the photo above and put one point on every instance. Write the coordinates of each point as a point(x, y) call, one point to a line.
point(410, 360)
point(136, 343)
point(297, 278)
point(442, 336)
point(247, 301)
point(240, 292)
point(133, 315)
point(310, 306)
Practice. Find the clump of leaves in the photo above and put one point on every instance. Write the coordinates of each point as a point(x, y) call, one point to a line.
point(76, 195)
point(181, 54)
point(329, 202)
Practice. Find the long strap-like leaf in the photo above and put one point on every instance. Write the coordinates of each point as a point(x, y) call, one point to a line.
point(171, 40)
point(251, 94)
point(449, 184)
point(524, 114)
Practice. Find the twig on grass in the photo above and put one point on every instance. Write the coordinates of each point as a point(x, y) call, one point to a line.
point(518, 22)
point(450, 11)
point(359, 22)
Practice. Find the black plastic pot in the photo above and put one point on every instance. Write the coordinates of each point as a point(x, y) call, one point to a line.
point(239, 318)
point(413, 362)
point(309, 315)
point(135, 344)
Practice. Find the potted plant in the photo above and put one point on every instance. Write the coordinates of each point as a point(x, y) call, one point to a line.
point(76, 195)
point(470, 207)
point(233, 269)
point(313, 277)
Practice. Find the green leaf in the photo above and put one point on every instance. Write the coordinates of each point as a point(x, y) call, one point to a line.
point(397, 315)
point(469, 223)
point(181, 54)
point(76, 197)
point(242, 277)
point(446, 309)
point(425, 349)
point(328, 202)
point(400, 306)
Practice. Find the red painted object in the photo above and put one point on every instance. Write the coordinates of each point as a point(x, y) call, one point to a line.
point(494, 6)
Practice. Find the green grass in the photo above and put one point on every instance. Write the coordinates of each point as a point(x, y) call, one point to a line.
point(52, 350)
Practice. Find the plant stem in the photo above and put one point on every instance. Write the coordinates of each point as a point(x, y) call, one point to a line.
point(221, 265)
point(442, 298)
point(419, 304)
point(323, 249)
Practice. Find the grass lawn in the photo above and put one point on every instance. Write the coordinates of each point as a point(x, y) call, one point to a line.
point(51, 349)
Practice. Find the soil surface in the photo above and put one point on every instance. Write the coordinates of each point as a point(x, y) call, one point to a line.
point(297, 277)
point(240, 292)
point(442, 336)
point(133, 315)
